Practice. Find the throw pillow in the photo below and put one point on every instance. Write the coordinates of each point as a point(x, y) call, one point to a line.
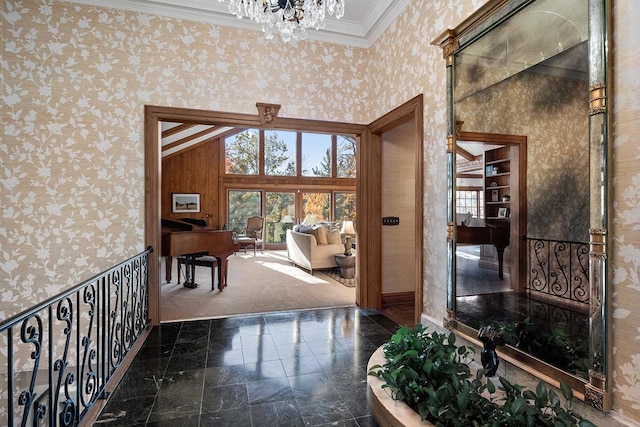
point(333, 237)
point(321, 235)
point(304, 229)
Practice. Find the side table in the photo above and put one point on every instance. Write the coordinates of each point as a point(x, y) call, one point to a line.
point(347, 264)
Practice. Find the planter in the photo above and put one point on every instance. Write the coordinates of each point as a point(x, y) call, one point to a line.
point(386, 411)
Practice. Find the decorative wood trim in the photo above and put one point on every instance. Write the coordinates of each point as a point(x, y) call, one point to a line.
point(448, 40)
point(398, 298)
point(153, 179)
point(268, 113)
point(518, 166)
point(371, 150)
point(153, 115)
point(459, 124)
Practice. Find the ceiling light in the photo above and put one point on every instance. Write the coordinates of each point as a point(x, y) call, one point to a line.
point(290, 18)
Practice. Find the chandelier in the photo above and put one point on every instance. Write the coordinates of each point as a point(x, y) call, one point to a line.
point(290, 18)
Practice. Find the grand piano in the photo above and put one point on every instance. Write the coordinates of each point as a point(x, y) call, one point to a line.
point(486, 234)
point(192, 239)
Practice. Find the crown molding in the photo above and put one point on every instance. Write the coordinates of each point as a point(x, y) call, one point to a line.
point(343, 31)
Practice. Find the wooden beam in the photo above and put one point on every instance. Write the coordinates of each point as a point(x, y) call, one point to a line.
point(177, 129)
point(189, 138)
point(469, 175)
point(465, 154)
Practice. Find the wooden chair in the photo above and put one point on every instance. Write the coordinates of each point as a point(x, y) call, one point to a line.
point(203, 260)
point(253, 234)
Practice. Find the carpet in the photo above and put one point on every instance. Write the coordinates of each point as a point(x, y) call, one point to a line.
point(263, 283)
point(334, 273)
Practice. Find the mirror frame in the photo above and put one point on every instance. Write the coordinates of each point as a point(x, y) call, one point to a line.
point(597, 389)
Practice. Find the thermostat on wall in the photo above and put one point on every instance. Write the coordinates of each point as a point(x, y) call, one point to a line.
point(391, 220)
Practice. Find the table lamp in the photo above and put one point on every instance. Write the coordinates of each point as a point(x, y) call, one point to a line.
point(348, 232)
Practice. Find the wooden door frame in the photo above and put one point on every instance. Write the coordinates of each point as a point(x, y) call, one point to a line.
point(519, 228)
point(369, 200)
point(153, 115)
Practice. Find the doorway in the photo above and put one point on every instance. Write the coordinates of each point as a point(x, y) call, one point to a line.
point(154, 116)
point(368, 189)
point(393, 241)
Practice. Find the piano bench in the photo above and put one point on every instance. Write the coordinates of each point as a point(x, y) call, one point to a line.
point(202, 261)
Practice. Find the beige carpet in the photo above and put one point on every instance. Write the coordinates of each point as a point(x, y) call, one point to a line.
point(264, 283)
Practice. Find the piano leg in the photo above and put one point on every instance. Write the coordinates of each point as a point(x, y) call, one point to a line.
point(500, 251)
point(168, 260)
point(190, 272)
point(222, 274)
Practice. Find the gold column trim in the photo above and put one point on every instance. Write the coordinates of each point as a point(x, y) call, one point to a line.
point(597, 242)
point(449, 231)
point(597, 379)
point(450, 143)
point(449, 45)
point(597, 99)
point(598, 398)
point(448, 61)
point(450, 322)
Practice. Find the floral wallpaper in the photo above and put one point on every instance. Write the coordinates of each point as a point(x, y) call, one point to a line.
point(75, 78)
point(75, 81)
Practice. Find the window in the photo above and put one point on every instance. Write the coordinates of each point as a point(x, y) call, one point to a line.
point(242, 204)
point(346, 148)
point(316, 155)
point(344, 206)
point(242, 153)
point(280, 217)
point(316, 207)
point(280, 153)
point(470, 201)
point(281, 150)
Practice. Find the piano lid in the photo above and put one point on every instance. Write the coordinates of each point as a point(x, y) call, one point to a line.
point(183, 224)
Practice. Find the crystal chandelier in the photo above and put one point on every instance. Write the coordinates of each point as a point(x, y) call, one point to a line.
point(290, 18)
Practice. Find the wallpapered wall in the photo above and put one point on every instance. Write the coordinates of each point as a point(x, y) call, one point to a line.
point(75, 80)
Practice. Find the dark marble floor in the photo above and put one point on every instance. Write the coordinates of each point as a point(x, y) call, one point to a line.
point(298, 368)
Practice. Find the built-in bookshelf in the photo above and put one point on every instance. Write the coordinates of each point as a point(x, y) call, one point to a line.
point(497, 184)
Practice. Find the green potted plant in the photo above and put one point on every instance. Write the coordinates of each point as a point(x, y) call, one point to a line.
point(431, 374)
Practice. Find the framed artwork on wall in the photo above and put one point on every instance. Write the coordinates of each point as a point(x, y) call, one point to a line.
point(185, 202)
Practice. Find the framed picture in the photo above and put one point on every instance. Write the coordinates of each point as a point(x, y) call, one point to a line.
point(503, 212)
point(185, 202)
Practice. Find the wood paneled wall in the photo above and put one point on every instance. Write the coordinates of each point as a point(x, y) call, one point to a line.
point(194, 170)
point(200, 169)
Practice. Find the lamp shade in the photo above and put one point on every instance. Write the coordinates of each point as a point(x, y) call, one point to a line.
point(310, 219)
point(288, 219)
point(347, 228)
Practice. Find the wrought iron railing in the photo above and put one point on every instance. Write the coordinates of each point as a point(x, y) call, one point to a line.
point(61, 354)
point(559, 269)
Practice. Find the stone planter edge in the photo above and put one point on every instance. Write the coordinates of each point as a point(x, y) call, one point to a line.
point(386, 411)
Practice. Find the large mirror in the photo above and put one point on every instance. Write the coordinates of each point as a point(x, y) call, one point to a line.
point(527, 151)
